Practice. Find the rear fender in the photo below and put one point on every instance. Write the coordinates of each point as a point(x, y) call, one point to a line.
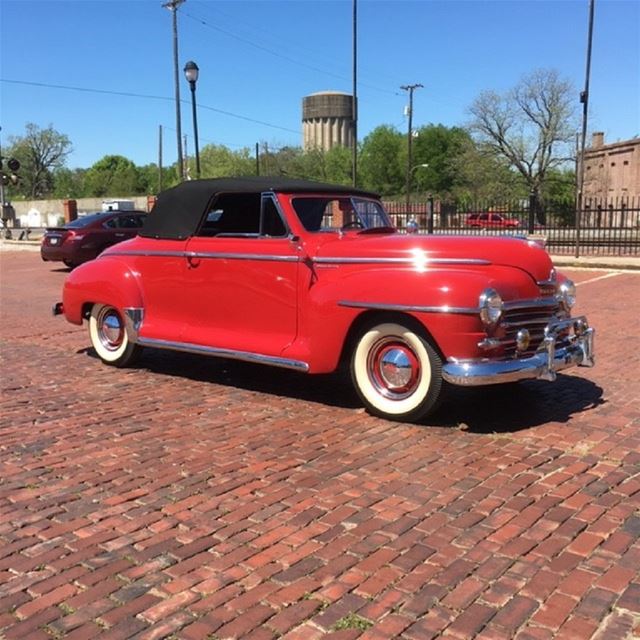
point(106, 281)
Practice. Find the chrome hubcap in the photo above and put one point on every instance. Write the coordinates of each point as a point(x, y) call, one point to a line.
point(394, 369)
point(110, 329)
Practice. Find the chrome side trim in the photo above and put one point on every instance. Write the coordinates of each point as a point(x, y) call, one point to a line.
point(240, 256)
point(408, 308)
point(133, 318)
point(543, 365)
point(146, 254)
point(207, 255)
point(231, 354)
point(426, 261)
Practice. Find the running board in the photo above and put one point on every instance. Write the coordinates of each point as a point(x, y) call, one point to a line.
point(244, 356)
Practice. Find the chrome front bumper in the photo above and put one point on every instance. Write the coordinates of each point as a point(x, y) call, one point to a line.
point(543, 365)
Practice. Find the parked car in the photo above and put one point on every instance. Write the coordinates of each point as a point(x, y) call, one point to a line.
point(309, 276)
point(86, 237)
point(491, 221)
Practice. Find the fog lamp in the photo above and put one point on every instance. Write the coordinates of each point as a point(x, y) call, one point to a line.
point(523, 339)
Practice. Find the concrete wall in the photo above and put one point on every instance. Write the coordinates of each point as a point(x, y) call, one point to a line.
point(49, 213)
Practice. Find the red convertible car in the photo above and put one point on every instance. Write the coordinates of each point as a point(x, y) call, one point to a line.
point(310, 276)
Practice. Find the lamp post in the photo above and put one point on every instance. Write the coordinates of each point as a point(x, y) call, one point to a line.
point(191, 72)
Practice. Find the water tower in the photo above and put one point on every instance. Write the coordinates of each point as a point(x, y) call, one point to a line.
point(327, 120)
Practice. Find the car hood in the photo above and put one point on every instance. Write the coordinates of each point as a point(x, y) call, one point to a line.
point(424, 250)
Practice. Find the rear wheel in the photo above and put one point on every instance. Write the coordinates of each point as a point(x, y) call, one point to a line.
point(109, 336)
point(396, 372)
point(70, 264)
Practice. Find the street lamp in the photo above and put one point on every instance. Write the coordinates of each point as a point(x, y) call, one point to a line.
point(191, 72)
point(418, 166)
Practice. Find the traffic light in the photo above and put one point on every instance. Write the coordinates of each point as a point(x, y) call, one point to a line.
point(14, 167)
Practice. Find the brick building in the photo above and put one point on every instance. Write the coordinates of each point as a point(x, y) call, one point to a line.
point(612, 171)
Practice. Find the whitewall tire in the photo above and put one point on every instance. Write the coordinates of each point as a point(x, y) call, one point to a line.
point(109, 337)
point(396, 372)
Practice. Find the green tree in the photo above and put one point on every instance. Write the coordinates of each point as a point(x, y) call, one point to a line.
point(40, 152)
point(532, 126)
point(380, 161)
point(338, 165)
point(485, 179)
point(217, 161)
point(439, 147)
point(69, 183)
point(112, 176)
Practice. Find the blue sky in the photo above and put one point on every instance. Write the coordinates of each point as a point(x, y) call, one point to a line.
point(258, 59)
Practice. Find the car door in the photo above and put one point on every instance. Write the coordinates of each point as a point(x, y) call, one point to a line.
point(241, 277)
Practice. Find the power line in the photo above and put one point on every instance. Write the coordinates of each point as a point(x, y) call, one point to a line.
point(129, 94)
point(277, 54)
point(288, 40)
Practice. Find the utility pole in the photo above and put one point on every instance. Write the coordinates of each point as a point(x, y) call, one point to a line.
point(160, 159)
point(186, 176)
point(354, 103)
point(584, 99)
point(410, 88)
point(173, 5)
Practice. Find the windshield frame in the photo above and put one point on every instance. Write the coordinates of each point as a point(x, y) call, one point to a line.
point(364, 214)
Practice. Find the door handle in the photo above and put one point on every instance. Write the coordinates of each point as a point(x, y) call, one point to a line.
point(193, 261)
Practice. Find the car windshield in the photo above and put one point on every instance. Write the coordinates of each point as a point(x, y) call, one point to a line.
point(334, 213)
point(85, 221)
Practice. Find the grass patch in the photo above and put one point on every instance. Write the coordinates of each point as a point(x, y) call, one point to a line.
point(352, 621)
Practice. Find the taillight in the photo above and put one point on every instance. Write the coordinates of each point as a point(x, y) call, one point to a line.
point(71, 235)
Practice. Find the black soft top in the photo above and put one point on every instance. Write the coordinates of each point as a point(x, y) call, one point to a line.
point(178, 211)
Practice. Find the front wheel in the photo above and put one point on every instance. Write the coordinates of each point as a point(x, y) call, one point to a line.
point(396, 372)
point(109, 336)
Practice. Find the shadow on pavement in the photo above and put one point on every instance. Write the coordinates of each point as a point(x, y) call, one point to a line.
point(505, 408)
point(500, 408)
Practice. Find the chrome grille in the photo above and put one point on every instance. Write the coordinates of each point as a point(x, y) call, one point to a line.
point(534, 317)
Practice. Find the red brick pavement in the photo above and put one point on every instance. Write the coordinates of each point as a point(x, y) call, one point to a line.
point(195, 498)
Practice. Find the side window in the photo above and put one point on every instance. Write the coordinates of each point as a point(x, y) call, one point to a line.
point(271, 223)
point(233, 214)
point(130, 222)
point(111, 224)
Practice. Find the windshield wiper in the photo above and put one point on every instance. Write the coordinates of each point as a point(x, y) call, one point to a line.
point(372, 230)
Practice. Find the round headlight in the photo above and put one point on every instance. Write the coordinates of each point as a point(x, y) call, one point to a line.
point(490, 306)
point(567, 293)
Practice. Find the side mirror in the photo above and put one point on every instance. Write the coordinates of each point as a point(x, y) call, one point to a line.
point(412, 226)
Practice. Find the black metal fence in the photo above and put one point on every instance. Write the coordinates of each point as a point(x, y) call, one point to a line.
point(601, 227)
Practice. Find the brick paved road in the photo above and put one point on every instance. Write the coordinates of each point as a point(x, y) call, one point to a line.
point(196, 498)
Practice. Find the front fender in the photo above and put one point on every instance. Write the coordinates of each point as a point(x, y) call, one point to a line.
point(108, 280)
point(444, 300)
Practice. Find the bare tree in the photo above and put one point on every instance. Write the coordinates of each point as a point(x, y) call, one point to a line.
point(532, 126)
point(40, 151)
